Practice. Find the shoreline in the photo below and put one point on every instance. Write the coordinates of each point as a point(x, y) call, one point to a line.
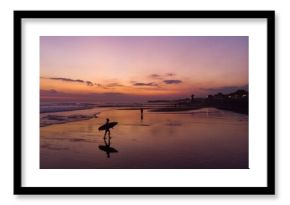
point(180, 109)
point(237, 106)
point(58, 119)
point(51, 117)
point(90, 107)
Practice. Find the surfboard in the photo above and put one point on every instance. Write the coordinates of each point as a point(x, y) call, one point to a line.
point(111, 125)
point(107, 149)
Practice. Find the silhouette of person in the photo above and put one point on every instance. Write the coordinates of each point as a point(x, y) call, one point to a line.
point(192, 98)
point(141, 110)
point(107, 128)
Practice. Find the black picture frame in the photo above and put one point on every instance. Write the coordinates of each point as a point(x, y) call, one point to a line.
point(269, 189)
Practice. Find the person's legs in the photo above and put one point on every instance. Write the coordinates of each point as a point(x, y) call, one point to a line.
point(105, 134)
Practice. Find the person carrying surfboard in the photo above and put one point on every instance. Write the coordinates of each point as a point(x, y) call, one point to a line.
point(107, 128)
point(141, 110)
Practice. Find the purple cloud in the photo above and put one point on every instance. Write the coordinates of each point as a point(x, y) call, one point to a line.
point(161, 76)
point(154, 75)
point(67, 80)
point(145, 84)
point(172, 81)
point(114, 85)
point(88, 83)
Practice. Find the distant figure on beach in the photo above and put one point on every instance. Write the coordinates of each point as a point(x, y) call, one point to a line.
point(141, 110)
point(107, 128)
point(192, 98)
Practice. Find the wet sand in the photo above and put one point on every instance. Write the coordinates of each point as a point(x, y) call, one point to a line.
point(207, 138)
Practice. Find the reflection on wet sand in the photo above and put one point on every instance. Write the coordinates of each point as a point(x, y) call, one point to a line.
point(201, 139)
point(107, 147)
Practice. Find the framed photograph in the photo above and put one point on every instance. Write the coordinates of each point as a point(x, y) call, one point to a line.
point(144, 102)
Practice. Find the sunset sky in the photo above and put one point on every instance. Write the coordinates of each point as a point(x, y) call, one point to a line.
point(142, 67)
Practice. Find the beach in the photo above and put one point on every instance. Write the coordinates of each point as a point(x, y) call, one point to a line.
point(206, 138)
